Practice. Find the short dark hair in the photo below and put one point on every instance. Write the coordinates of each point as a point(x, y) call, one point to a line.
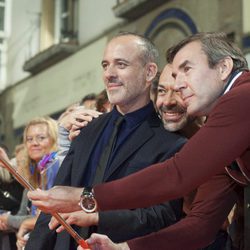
point(101, 99)
point(88, 97)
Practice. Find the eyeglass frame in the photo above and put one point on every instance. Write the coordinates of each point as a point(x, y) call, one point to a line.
point(37, 138)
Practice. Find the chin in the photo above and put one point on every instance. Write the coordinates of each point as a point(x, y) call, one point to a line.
point(171, 127)
point(36, 158)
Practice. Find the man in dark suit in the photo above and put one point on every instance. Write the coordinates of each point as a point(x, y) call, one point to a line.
point(129, 66)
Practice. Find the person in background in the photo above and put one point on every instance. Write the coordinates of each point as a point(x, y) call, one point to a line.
point(69, 125)
point(41, 166)
point(89, 101)
point(102, 102)
point(75, 118)
point(10, 197)
point(154, 86)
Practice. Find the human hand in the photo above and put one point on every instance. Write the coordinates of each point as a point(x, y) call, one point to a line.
point(3, 222)
point(102, 242)
point(21, 244)
point(74, 132)
point(59, 199)
point(23, 232)
point(77, 117)
point(79, 218)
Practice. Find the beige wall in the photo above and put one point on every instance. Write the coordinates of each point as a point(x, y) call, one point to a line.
point(52, 90)
point(59, 86)
point(246, 16)
point(66, 82)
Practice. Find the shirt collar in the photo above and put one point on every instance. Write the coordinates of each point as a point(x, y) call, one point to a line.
point(136, 117)
point(230, 83)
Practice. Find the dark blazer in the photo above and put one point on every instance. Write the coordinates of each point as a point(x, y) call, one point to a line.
point(150, 143)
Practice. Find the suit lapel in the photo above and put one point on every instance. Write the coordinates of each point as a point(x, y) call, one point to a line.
point(139, 137)
point(87, 141)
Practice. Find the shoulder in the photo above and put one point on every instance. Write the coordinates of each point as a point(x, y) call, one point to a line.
point(234, 104)
point(93, 127)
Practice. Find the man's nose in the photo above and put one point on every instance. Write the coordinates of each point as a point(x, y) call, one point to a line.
point(169, 99)
point(109, 72)
point(179, 82)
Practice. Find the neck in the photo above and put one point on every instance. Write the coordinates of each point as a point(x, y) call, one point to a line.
point(189, 130)
point(125, 109)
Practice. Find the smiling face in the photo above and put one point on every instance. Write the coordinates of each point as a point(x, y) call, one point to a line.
point(127, 78)
point(169, 102)
point(37, 141)
point(199, 85)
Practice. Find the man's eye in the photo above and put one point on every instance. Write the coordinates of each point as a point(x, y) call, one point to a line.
point(161, 91)
point(122, 65)
point(104, 65)
point(186, 69)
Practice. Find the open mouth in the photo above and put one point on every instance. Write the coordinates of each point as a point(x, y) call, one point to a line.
point(172, 116)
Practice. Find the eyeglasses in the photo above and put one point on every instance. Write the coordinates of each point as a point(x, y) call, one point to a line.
point(38, 138)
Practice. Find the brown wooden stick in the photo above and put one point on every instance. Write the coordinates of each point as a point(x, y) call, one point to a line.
point(80, 241)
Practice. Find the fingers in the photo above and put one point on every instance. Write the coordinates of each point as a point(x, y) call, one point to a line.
point(41, 199)
point(54, 223)
point(78, 117)
point(21, 243)
point(70, 218)
point(37, 194)
point(73, 134)
point(83, 110)
point(59, 199)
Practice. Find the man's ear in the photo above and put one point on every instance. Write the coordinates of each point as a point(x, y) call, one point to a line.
point(151, 71)
point(225, 67)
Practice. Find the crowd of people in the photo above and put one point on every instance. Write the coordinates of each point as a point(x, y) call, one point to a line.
point(38, 159)
point(154, 161)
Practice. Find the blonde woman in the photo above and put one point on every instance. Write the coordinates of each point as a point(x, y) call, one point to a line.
point(40, 168)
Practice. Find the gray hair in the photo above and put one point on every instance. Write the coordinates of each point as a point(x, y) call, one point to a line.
point(216, 46)
point(149, 51)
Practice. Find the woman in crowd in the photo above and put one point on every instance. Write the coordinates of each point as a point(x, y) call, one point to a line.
point(40, 168)
point(10, 197)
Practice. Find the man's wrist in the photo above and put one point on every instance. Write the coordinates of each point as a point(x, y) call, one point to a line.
point(123, 246)
point(94, 218)
point(87, 200)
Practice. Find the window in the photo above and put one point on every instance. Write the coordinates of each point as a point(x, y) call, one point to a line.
point(66, 20)
point(3, 36)
point(59, 22)
point(2, 18)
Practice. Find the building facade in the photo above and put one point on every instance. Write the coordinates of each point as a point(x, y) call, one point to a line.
point(51, 50)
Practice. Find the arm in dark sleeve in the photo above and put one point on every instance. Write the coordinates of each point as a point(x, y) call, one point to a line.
point(122, 225)
point(212, 204)
point(220, 141)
